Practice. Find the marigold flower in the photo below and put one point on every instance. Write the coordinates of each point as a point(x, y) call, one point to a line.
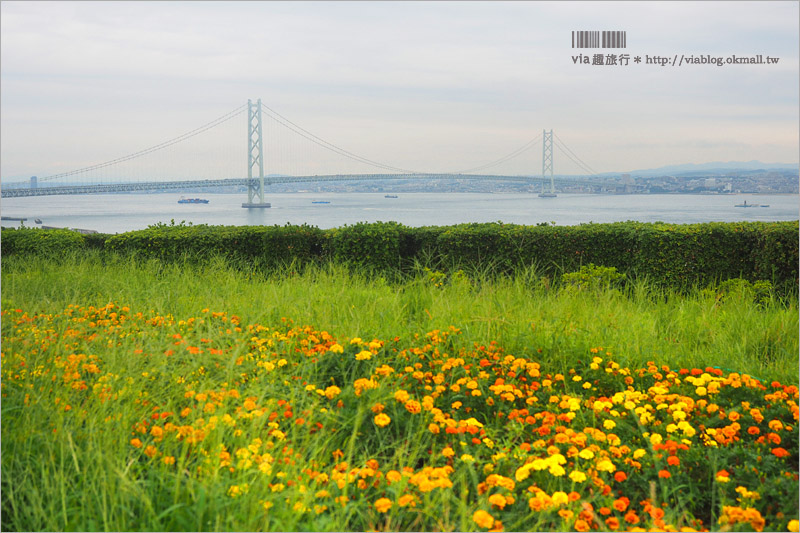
point(383, 504)
point(136, 443)
point(498, 500)
point(560, 498)
point(382, 420)
point(483, 519)
point(631, 517)
point(577, 477)
point(793, 525)
point(413, 407)
point(664, 474)
point(621, 504)
point(407, 500)
point(620, 476)
point(780, 452)
point(612, 523)
point(581, 525)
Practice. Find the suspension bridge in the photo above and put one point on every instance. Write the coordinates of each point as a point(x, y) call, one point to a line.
point(106, 177)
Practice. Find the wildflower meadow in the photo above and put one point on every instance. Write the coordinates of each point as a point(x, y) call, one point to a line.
point(214, 411)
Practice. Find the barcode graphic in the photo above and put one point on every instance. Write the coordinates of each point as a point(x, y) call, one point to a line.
point(599, 39)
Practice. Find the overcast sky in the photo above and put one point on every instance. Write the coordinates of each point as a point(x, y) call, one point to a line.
point(428, 86)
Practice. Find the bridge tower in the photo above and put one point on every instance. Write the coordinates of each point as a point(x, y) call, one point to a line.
point(547, 163)
point(255, 156)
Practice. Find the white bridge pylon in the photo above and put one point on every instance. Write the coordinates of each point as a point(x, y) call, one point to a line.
point(255, 157)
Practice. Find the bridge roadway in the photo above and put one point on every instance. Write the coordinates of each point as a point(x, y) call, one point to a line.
point(41, 190)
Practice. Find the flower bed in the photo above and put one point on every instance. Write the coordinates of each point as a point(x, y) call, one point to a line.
point(301, 429)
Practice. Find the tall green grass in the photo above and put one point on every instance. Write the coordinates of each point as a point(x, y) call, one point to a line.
point(524, 313)
point(77, 470)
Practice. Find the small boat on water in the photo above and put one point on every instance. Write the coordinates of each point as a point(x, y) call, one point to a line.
point(390, 196)
point(192, 200)
point(38, 220)
point(745, 204)
point(319, 202)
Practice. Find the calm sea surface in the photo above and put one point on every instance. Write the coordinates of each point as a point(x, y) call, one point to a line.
point(116, 213)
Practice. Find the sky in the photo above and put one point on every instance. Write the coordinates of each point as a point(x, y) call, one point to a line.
point(425, 86)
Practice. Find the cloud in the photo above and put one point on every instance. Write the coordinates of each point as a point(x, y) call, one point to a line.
point(432, 85)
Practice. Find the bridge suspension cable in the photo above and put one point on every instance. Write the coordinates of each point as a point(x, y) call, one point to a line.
point(527, 146)
point(188, 135)
point(280, 119)
point(573, 157)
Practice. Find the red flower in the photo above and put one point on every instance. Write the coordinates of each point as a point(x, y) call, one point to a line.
point(779, 452)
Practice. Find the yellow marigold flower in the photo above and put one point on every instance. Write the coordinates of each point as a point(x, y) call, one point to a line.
point(413, 406)
point(655, 438)
point(402, 396)
point(577, 477)
point(793, 525)
point(382, 420)
point(639, 453)
point(355, 340)
point(393, 476)
point(701, 391)
point(609, 424)
point(383, 505)
point(560, 498)
point(604, 465)
point(448, 452)
point(336, 348)
point(332, 392)
point(586, 454)
point(467, 458)
point(364, 355)
point(483, 519)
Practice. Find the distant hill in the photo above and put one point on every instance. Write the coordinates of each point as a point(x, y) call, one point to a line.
point(718, 167)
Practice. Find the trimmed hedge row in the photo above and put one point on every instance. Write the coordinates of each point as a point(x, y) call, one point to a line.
point(677, 255)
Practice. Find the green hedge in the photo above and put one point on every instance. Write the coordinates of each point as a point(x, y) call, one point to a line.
point(678, 255)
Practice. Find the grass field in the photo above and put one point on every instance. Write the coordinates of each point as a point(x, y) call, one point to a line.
point(140, 395)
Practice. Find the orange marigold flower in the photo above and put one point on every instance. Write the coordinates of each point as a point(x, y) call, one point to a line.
point(612, 523)
point(483, 519)
point(581, 525)
point(383, 505)
point(150, 451)
point(631, 517)
point(136, 443)
point(779, 452)
point(497, 500)
point(621, 504)
point(673, 460)
point(664, 474)
point(620, 476)
point(753, 430)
